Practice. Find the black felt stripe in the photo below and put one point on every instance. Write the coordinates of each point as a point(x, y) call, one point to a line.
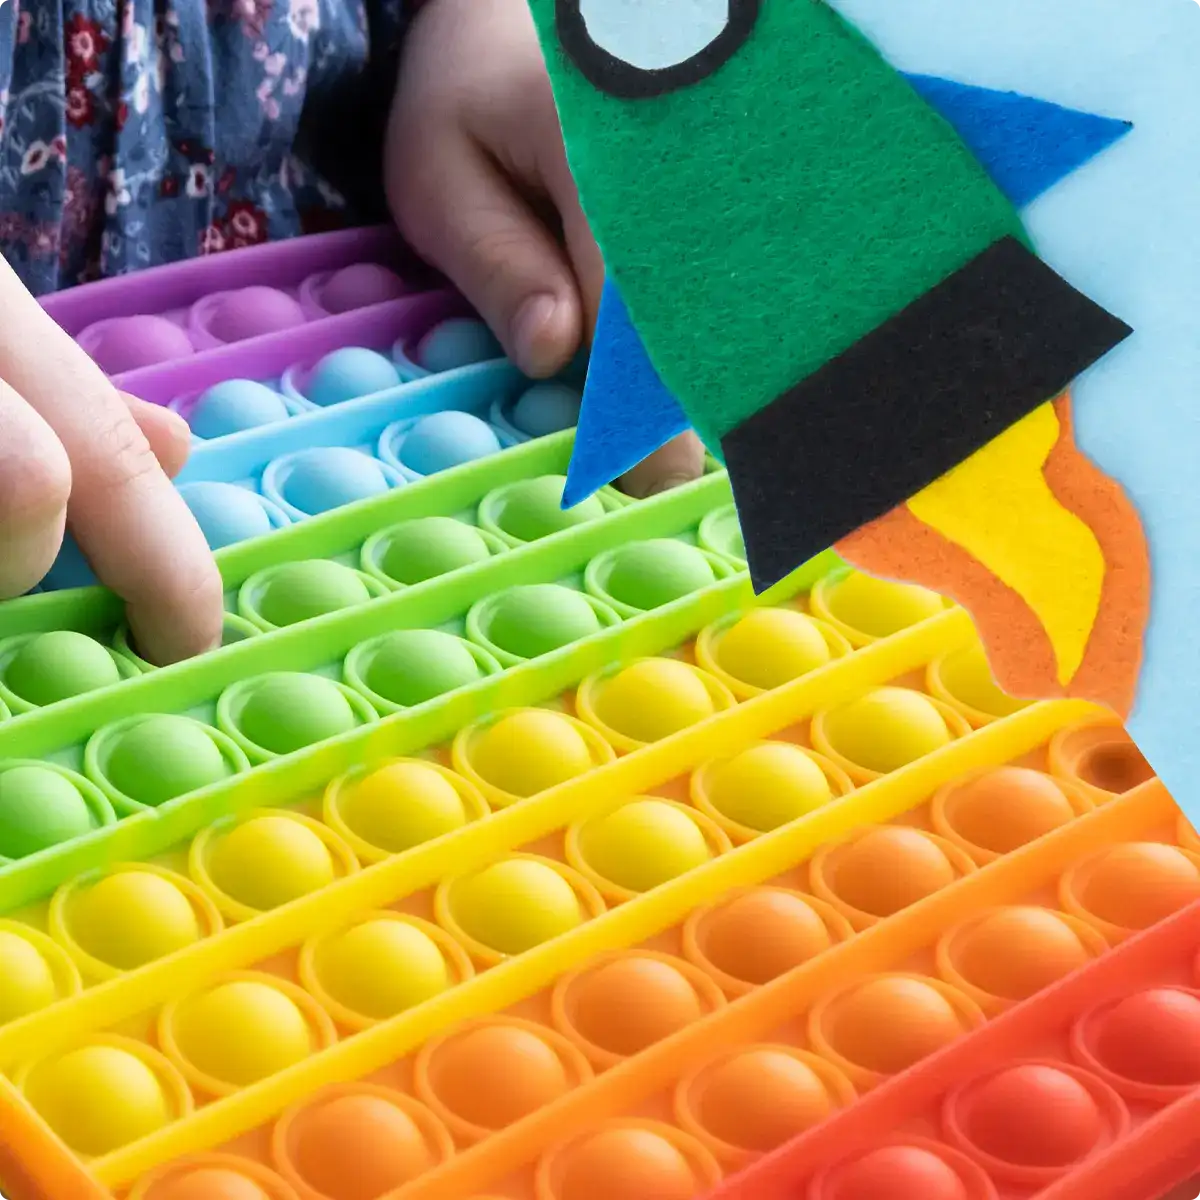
point(607, 73)
point(907, 403)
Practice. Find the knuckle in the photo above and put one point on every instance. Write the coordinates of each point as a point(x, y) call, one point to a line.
point(121, 458)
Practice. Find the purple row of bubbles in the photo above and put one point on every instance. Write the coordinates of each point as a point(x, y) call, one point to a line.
point(283, 265)
point(181, 310)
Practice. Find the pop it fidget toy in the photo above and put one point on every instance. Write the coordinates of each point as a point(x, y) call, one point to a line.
point(504, 853)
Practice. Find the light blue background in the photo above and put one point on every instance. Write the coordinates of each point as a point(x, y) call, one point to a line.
point(1126, 230)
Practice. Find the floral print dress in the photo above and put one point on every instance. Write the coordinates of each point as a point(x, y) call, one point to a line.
point(137, 132)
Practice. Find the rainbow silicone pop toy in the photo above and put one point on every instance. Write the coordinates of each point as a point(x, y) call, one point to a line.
point(514, 853)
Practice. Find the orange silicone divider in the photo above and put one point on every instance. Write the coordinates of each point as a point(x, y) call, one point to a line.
point(1053, 1098)
point(890, 965)
point(33, 1162)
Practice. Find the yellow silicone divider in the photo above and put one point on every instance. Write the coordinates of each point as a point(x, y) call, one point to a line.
point(479, 842)
point(510, 981)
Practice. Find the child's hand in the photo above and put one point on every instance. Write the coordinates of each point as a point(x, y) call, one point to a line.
point(74, 451)
point(479, 185)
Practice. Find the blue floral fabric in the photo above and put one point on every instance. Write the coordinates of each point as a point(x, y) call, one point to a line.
point(138, 132)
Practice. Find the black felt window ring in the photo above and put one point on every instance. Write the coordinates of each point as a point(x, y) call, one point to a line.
point(607, 73)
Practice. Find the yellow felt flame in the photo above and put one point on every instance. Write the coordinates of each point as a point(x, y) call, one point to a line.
point(998, 507)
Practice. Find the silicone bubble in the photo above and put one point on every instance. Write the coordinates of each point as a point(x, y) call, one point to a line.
point(213, 1177)
point(964, 677)
point(360, 285)
point(884, 730)
point(491, 1074)
point(241, 1031)
point(299, 591)
point(1013, 953)
point(327, 477)
point(1133, 886)
point(1101, 757)
point(642, 844)
point(131, 917)
point(228, 514)
point(457, 342)
point(1001, 810)
point(127, 343)
point(649, 574)
point(349, 373)
point(869, 608)
point(54, 666)
point(764, 786)
point(546, 408)
point(769, 647)
point(153, 759)
point(721, 533)
point(529, 751)
point(1033, 1115)
point(653, 698)
point(234, 405)
point(623, 1005)
point(761, 934)
point(630, 1159)
point(884, 1025)
point(42, 806)
point(286, 711)
point(269, 860)
point(883, 870)
point(402, 804)
point(251, 312)
point(381, 967)
point(532, 509)
point(444, 440)
point(904, 1172)
point(1151, 1038)
point(360, 1143)
point(760, 1097)
point(411, 666)
point(513, 905)
point(431, 546)
point(27, 979)
point(534, 619)
point(102, 1096)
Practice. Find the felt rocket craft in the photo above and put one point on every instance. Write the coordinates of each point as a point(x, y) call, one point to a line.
point(820, 264)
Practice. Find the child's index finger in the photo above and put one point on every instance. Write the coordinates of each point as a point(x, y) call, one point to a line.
point(130, 522)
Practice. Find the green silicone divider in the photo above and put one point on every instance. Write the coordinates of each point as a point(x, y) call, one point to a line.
point(328, 638)
point(94, 611)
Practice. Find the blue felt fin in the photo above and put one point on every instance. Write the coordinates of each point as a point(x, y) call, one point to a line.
point(626, 413)
point(1025, 145)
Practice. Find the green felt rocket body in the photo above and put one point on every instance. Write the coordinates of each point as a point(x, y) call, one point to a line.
point(765, 219)
point(777, 209)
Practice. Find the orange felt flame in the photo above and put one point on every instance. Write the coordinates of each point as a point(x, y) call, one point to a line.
point(899, 546)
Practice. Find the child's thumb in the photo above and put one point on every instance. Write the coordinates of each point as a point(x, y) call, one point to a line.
point(465, 218)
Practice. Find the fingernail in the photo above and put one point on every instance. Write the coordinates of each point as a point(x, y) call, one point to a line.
point(529, 331)
point(666, 484)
